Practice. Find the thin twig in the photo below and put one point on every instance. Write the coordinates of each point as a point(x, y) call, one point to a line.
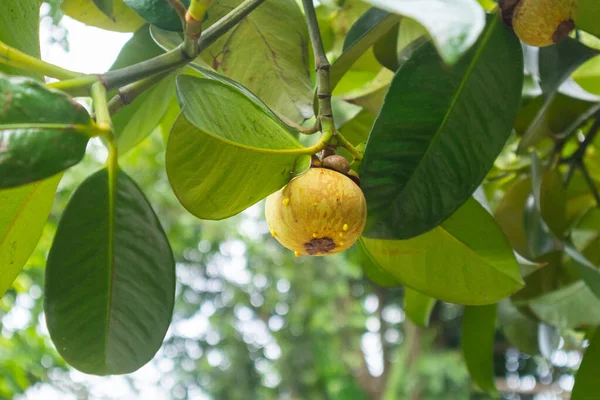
point(591, 184)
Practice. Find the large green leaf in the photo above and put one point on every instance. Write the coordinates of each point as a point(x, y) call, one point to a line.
point(123, 19)
point(23, 214)
point(466, 260)
point(135, 122)
point(588, 75)
point(224, 151)
point(37, 131)
point(19, 28)
point(572, 306)
point(106, 6)
point(372, 270)
point(158, 12)
point(110, 278)
point(418, 307)
point(276, 69)
point(586, 379)
point(477, 342)
point(365, 32)
point(588, 14)
point(453, 25)
point(439, 132)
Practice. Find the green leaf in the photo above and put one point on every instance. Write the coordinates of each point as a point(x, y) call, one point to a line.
point(365, 32)
point(588, 272)
point(572, 306)
point(556, 63)
point(454, 26)
point(418, 307)
point(586, 378)
point(19, 28)
point(386, 49)
point(276, 69)
point(106, 6)
point(134, 123)
point(110, 290)
point(23, 214)
point(588, 75)
point(225, 152)
point(587, 17)
point(466, 260)
point(477, 342)
point(510, 215)
point(372, 270)
point(123, 19)
point(37, 131)
point(439, 132)
point(519, 330)
point(357, 129)
point(158, 12)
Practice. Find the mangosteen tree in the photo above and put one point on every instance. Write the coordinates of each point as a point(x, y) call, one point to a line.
point(430, 140)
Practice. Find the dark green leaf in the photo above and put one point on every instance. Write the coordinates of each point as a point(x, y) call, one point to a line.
point(158, 12)
point(466, 260)
point(588, 272)
point(454, 26)
point(138, 120)
point(439, 132)
point(225, 152)
point(23, 214)
point(478, 332)
point(38, 135)
point(369, 28)
point(557, 62)
point(418, 307)
point(123, 18)
point(386, 49)
point(110, 278)
point(106, 6)
point(586, 378)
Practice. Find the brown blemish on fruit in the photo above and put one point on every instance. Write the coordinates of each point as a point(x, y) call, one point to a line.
point(320, 245)
point(563, 30)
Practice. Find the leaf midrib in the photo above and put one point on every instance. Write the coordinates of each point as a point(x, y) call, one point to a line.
point(453, 103)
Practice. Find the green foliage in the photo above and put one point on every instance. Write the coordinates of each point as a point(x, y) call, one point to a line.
point(37, 130)
point(134, 123)
point(414, 182)
point(418, 307)
point(224, 149)
point(483, 269)
point(109, 291)
point(19, 28)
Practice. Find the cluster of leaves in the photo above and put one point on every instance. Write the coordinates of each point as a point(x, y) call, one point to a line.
point(439, 98)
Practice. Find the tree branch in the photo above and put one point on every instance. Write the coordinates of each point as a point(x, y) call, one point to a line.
point(178, 57)
point(127, 94)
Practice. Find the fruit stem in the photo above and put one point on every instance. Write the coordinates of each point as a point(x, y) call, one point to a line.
point(17, 59)
point(193, 26)
point(342, 141)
